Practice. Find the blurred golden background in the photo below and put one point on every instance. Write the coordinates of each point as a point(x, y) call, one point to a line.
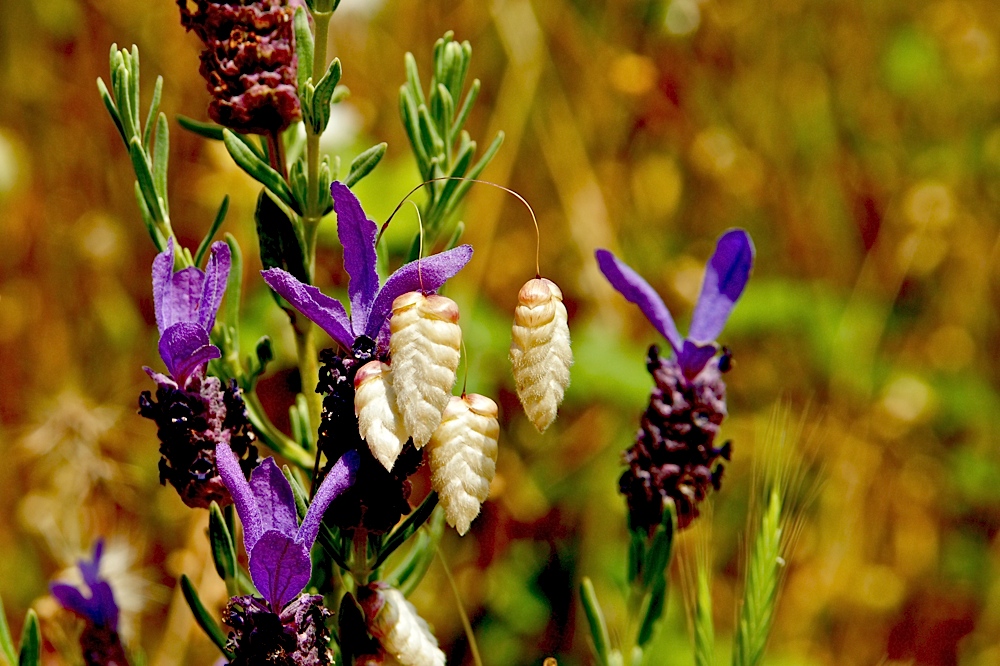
point(859, 144)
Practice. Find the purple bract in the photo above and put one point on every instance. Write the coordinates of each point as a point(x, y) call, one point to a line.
point(186, 302)
point(278, 547)
point(726, 275)
point(371, 304)
point(99, 608)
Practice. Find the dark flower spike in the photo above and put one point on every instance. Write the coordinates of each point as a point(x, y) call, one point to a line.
point(726, 276)
point(99, 608)
point(186, 303)
point(278, 547)
point(371, 303)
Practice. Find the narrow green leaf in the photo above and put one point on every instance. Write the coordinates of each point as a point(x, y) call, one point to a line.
point(326, 86)
point(433, 143)
point(250, 162)
point(206, 242)
point(124, 102)
point(303, 45)
point(223, 550)
point(280, 246)
point(161, 154)
point(298, 492)
point(203, 617)
point(363, 164)
point(145, 178)
point(413, 79)
point(299, 421)
point(636, 554)
point(299, 182)
point(207, 130)
point(447, 114)
point(31, 641)
point(466, 109)
point(474, 173)
point(147, 218)
point(263, 354)
point(456, 236)
point(596, 621)
point(329, 540)
point(656, 602)
point(424, 551)
point(408, 113)
point(6, 640)
point(409, 526)
point(154, 111)
point(449, 187)
point(109, 104)
point(135, 87)
point(234, 287)
point(704, 626)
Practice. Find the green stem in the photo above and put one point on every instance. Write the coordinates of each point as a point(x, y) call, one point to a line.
point(271, 436)
point(321, 22)
point(305, 348)
point(360, 564)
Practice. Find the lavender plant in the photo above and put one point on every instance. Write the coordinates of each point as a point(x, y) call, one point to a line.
point(370, 404)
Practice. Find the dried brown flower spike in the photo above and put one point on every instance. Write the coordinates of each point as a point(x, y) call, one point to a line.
point(540, 352)
point(425, 347)
point(463, 457)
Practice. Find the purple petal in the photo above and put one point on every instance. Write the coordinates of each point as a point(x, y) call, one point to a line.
point(357, 234)
point(326, 312)
point(693, 357)
point(216, 274)
point(163, 270)
point(280, 568)
point(337, 481)
point(184, 347)
point(427, 275)
point(91, 570)
point(636, 290)
point(243, 497)
point(275, 501)
point(160, 378)
point(182, 297)
point(726, 275)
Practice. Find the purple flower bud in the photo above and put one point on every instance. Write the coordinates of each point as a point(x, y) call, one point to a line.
point(99, 641)
point(297, 636)
point(249, 62)
point(190, 423)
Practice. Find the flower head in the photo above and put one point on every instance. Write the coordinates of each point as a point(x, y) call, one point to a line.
point(726, 275)
point(674, 457)
point(278, 547)
point(371, 303)
point(248, 63)
point(295, 636)
point(99, 640)
point(186, 302)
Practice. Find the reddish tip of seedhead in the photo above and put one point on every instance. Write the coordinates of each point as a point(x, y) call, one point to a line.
point(368, 371)
point(538, 291)
point(433, 305)
point(481, 405)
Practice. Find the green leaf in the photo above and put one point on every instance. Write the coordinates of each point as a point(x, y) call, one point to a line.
point(466, 109)
point(250, 162)
point(154, 110)
point(636, 554)
point(433, 142)
point(214, 132)
point(409, 526)
point(145, 178)
point(206, 242)
point(408, 574)
point(6, 641)
point(413, 79)
point(31, 641)
point(234, 287)
point(120, 81)
point(474, 173)
point(324, 94)
point(279, 243)
point(329, 540)
point(408, 113)
point(456, 236)
point(223, 550)
point(656, 602)
point(263, 354)
point(304, 46)
point(161, 154)
point(203, 617)
point(134, 88)
point(109, 104)
point(704, 628)
point(147, 218)
point(596, 621)
point(298, 415)
point(298, 492)
point(363, 164)
point(660, 549)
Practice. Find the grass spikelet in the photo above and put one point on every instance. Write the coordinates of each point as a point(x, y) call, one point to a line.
point(379, 422)
point(540, 352)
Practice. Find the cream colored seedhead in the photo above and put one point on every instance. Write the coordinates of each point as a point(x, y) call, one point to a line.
point(401, 631)
point(540, 352)
point(379, 421)
point(425, 347)
point(463, 456)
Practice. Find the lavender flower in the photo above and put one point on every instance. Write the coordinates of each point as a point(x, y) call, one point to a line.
point(278, 547)
point(99, 640)
point(674, 457)
point(249, 62)
point(192, 411)
point(297, 636)
point(379, 497)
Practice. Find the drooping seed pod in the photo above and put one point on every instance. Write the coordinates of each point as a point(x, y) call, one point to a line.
point(425, 343)
point(463, 457)
point(540, 352)
point(394, 622)
point(379, 422)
